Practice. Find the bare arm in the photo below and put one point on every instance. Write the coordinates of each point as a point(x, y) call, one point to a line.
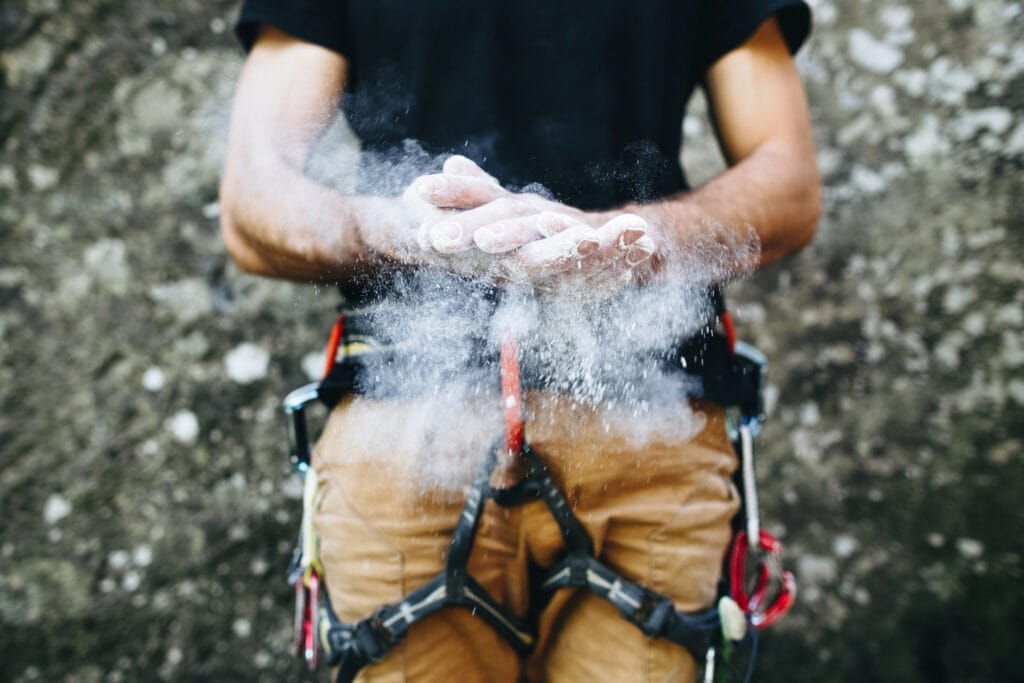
point(275, 221)
point(761, 117)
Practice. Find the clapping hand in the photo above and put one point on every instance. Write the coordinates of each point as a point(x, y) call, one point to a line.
point(465, 213)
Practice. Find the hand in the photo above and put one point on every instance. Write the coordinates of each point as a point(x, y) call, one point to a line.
point(537, 241)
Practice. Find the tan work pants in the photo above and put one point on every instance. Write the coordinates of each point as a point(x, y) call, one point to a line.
point(656, 505)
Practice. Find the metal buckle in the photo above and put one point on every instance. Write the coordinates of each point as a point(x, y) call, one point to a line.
point(773, 591)
point(294, 406)
point(754, 418)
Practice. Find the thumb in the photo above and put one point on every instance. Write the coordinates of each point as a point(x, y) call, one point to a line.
point(460, 165)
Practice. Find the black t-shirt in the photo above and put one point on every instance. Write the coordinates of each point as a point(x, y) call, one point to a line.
point(584, 97)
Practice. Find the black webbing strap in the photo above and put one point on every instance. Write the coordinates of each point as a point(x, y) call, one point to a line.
point(653, 613)
point(725, 378)
point(350, 647)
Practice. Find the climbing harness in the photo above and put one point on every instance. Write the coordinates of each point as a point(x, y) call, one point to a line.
point(757, 595)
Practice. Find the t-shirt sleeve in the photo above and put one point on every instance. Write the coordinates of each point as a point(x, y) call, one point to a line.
point(322, 22)
point(727, 24)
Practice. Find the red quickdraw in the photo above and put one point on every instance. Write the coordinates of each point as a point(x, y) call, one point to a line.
point(756, 604)
point(307, 607)
point(311, 649)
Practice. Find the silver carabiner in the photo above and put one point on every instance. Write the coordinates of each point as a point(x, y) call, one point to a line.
point(294, 406)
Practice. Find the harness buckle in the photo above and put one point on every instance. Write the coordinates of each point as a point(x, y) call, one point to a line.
point(372, 638)
point(653, 615)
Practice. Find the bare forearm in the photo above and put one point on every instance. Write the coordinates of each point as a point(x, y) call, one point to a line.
point(278, 222)
point(774, 190)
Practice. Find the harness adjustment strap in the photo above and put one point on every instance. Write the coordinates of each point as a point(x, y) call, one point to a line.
point(651, 612)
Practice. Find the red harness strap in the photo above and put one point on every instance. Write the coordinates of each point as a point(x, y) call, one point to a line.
point(511, 395)
point(332, 343)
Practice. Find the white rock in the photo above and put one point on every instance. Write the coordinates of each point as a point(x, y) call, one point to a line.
point(809, 414)
point(883, 98)
point(1015, 389)
point(844, 545)
point(914, 82)
point(43, 177)
point(8, 178)
point(968, 124)
point(142, 555)
point(947, 351)
point(824, 12)
point(118, 559)
point(866, 180)
point(974, 323)
point(1015, 143)
point(153, 379)
point(989, 14)
point(242, 628)
point(872, 54)
point(1011, 315)
point(313, 364)
point(926, 143)
point(184, 427)
point(106, 262)
point(817, 570)
point(970, 548)
point(247, 363)
point(949, 82)
point(57, 508)
point(958, 298)
point(896, 16)
point(188, 300)
point(32, 59)
point(131, 581)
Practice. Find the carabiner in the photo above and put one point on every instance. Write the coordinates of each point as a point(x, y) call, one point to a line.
point(755, 604)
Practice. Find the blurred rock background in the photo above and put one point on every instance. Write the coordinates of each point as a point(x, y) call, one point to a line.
point(147, 510)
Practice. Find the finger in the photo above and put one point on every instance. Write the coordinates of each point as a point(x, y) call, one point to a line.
point(508, 234)
point(640, 251)
point(460, 165)
point(457, 191)
point(551, 222)
point(455, 234)
point(618, 237)
point(622, 231)
point(559, 251)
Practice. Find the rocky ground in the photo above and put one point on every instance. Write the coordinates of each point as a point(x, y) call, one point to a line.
point(146, 508)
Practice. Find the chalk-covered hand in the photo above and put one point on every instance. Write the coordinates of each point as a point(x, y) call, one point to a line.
point(535, 240)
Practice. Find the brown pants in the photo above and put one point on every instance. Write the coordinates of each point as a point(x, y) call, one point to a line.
point(657, 505)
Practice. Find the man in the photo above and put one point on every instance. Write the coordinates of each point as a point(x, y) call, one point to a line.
point(560, 126)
